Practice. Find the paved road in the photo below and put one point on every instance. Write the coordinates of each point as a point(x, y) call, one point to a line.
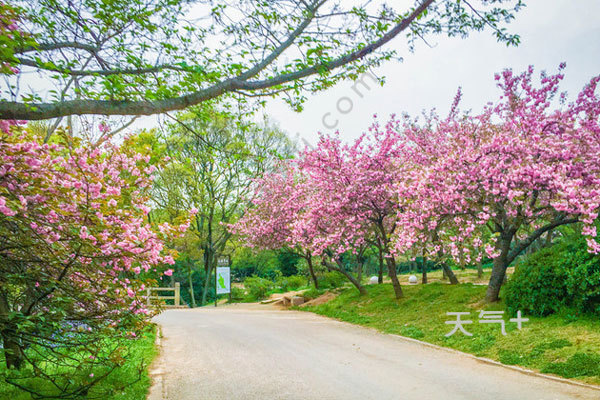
point(256, 352)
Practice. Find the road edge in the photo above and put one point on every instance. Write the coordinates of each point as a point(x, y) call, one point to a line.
point(485, 360)
point(155, 371)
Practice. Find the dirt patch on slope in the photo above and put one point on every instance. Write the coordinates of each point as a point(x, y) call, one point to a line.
point(324, 298)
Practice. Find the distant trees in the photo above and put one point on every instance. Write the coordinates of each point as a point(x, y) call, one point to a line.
point(209, 160)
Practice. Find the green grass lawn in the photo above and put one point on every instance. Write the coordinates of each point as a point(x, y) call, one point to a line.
point(565, 345)
point(141, 350)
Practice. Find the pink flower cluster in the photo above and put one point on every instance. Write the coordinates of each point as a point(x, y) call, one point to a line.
point(80, 211)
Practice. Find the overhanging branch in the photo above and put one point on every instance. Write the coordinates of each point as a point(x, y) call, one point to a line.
point(38, 111)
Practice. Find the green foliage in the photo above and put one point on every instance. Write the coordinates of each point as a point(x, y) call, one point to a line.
point(288, 262)
point(257, 287)
point(509, 357)
point(286, 283)
point(541, 348)
point(416, 266)
point(563, 275)
point(237, 294)
point(128, 382)
point(153, 52)
point(312, 293)
point(246, 263)
point(412, 331)
point(332, 280)
point(579, 364)
point(182, 269)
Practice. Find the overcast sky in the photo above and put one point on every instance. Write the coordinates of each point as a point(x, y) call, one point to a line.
point(551, 31)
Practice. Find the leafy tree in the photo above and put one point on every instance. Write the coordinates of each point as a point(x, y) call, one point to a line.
point(142, 57)
point(288, 262)
point(212, 158)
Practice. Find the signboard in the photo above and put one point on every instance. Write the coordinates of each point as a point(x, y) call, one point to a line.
point(223, 261)
point(223, 280)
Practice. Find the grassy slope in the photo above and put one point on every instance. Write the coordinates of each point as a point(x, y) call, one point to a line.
point(141, 350)
point(559, 344)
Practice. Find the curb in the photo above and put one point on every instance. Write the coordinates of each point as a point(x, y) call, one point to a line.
point(489, 361)
point(155, 372)
point(522, 370)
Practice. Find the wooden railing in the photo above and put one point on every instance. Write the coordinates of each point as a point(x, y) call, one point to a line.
point(176, 295)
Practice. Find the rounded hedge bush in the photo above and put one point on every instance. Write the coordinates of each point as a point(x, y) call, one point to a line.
point(563, 275)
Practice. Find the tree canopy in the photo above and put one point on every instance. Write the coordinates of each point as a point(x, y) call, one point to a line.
point(141, 57)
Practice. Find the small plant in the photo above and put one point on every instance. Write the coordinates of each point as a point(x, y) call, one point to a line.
point(292, 282)
point(312, 293)
point(237, 294)
point(412, 332)
point(332, 280)
point(257, 287)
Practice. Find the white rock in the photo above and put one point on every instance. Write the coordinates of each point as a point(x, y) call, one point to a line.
point(413, 280)
point(373, 280)
point(297, 300)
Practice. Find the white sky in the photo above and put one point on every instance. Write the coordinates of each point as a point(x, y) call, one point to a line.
point(551, 31)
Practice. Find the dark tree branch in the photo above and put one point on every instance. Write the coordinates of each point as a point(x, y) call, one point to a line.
point(523, 244)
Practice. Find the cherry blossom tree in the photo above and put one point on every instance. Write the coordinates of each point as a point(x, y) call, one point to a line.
point(276, 205)
point(496, 181)
point(75, 252)
point(355, 203)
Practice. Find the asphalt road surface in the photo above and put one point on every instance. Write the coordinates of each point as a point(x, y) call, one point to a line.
point(257, 352)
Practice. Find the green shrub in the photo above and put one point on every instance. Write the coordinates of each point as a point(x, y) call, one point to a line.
point(257, 288)
point(293, 282)
point(563, 275)
point(332, 280)
point(237, 294)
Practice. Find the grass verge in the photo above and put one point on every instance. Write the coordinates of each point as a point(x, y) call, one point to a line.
point(117, 385)
point(563, 345)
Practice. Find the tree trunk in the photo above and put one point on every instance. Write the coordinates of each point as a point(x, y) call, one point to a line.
point(391, 264)
point(498, 270)
point(450, 274)
point(13, 353)
point(548, 241)
point(479, 269)
point(390, 261)
point(312, 271)
point(424, 270)
point(343, 271)
point(380, 274)
point(447, 271)
point(207, 282)
point(191, 286)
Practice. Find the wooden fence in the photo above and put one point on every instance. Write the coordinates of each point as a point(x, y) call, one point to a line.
point(176, 295)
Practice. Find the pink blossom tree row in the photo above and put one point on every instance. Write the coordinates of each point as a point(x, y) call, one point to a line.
point(461, 187)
